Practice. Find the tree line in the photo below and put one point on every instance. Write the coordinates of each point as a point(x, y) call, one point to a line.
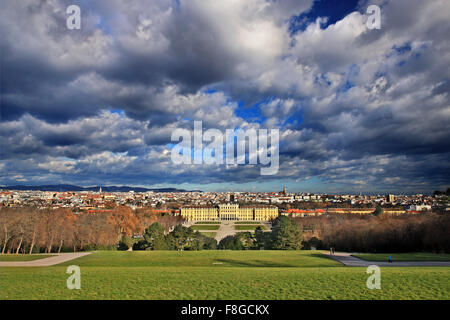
point(179, 238)
point(382, 233)
point(30, 230)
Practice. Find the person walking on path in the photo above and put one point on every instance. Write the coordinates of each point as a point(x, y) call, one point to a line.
point(390, 259)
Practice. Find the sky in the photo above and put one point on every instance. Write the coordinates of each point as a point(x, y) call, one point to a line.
point(357, 109)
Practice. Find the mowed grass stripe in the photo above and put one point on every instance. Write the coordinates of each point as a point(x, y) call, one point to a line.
point(23, 257)
point(207, 222)
point(247, 222)
point(248, 227)
point(205, 258)
point(209, 234)
point(205, 227)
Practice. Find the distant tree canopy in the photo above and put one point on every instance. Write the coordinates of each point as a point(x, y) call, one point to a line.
point(154, 237)
point(180, 238)
point(125, 243)
point(378, 211)
point(285, 235)
point(230, 243)
point(383, 233)
point(262, 239)
point(437, 192)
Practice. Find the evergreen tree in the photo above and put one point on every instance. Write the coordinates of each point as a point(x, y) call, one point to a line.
point(154, 237)
point(286, 234)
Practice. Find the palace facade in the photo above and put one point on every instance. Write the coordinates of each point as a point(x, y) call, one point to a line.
point(229, 211)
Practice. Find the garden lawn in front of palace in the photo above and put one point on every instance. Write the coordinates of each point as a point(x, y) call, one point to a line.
point(220, 274)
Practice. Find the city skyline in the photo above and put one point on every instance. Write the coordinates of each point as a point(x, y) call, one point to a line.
point(98, 188)
point(359, 110)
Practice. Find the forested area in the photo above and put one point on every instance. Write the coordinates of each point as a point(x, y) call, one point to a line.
point(29, 230)
point(180, 238)
point(384, 233)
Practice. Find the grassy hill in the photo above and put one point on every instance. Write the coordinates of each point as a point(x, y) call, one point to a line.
point(220, 275)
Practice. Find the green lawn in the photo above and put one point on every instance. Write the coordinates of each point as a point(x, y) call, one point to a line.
point(206, 258)
point(23, 257)
point(248, 227)
point(248, 222)
point(209, 234)
point(207, 222)
point(205, 227)
point(419, 256)
point(220, 275)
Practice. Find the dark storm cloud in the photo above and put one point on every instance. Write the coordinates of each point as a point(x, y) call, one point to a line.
point(132, 45)
point(366, 108)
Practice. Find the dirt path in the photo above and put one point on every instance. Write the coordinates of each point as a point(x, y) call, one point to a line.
point(350, 261)
point(45, 262)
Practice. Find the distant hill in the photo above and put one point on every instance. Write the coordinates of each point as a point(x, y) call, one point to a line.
point(68, 187)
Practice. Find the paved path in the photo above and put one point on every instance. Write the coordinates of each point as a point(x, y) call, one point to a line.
point(45, 262)
point(350, 261)
point(227, 229)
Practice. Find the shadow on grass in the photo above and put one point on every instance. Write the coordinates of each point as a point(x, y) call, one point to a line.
point(255, 263)
point(318, 256)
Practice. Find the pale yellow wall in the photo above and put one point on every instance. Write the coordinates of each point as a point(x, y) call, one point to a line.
point(246, 213)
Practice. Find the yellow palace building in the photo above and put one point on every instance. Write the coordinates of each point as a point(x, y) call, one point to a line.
point(229, 211)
